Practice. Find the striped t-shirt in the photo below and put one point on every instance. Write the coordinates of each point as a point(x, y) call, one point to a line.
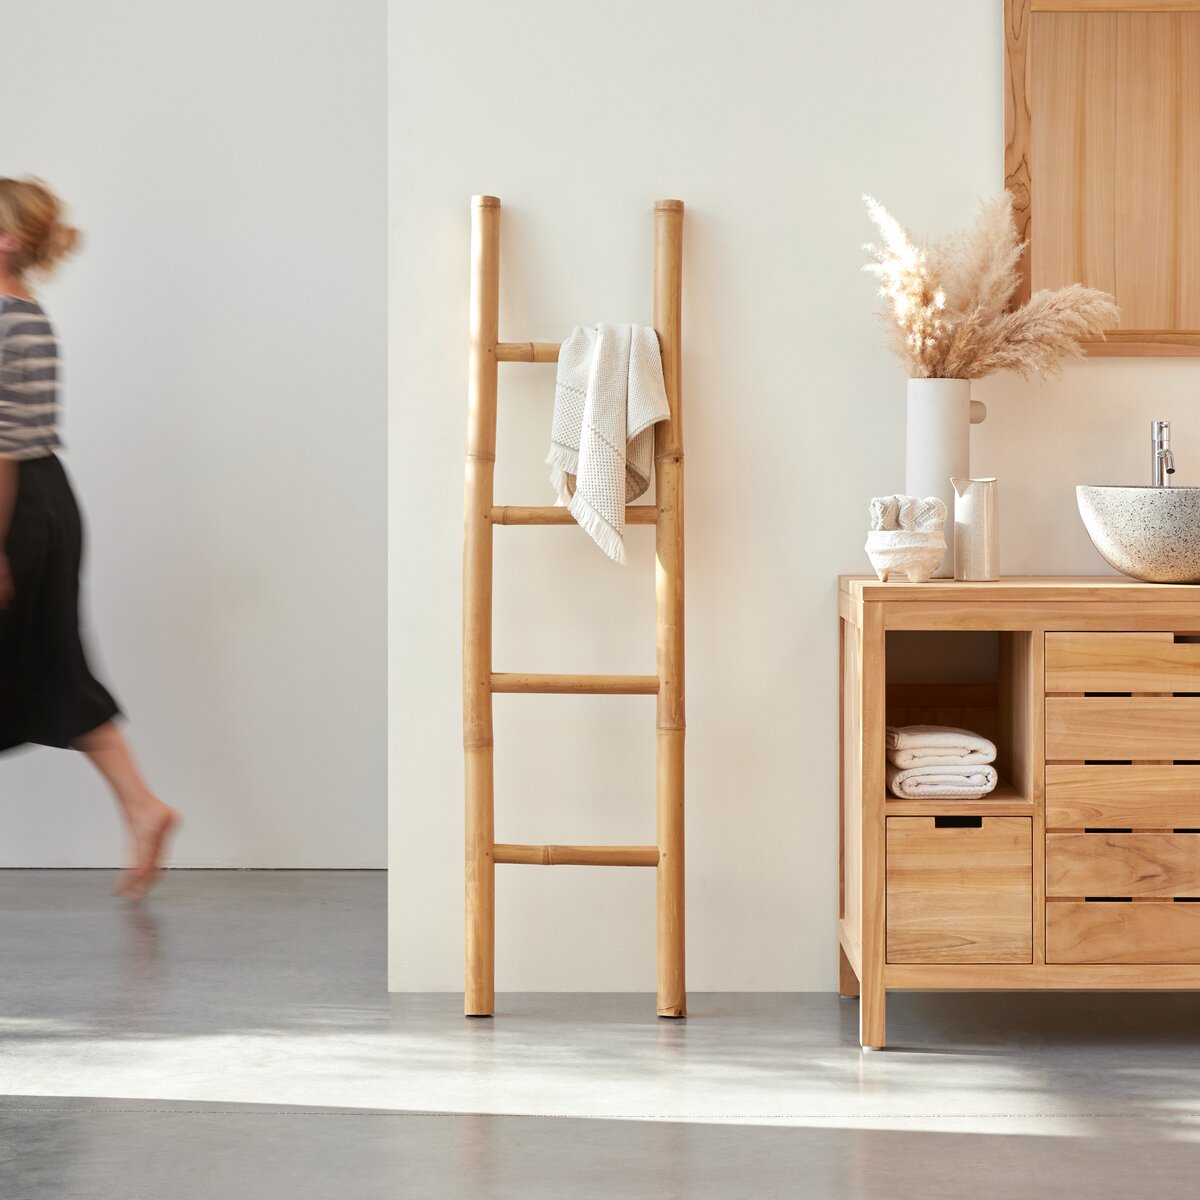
point(28, 380)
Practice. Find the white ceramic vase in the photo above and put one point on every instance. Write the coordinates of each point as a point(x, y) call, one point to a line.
point(938, 445)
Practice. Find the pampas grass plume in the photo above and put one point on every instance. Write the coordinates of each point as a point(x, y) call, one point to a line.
point(946, 305)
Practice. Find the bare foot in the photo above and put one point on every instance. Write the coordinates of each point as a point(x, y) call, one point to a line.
point(151, 823)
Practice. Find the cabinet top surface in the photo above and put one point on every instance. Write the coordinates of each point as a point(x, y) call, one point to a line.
point(1017, 588)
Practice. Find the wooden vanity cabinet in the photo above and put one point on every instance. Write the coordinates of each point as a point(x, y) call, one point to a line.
point(1082, 868)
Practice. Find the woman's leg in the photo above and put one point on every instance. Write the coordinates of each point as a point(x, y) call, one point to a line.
point(148, 819)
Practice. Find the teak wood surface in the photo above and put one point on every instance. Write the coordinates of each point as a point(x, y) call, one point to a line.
point(1102, 146)
point(1126, 865)
point(1106, 786)
point(481, 682)
point(1121, 662)
point(1122, 933)
point(959, 895)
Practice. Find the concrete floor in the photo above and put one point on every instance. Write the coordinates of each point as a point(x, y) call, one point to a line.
point(234, 1039)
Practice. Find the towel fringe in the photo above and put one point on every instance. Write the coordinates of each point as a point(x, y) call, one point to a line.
point(597, 528)
point(563, 462)
point(564, 466)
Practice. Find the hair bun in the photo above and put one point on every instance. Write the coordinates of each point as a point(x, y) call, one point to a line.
point(59, 241)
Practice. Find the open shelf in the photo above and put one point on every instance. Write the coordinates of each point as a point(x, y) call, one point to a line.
point(981, 681)
point(1004, 800)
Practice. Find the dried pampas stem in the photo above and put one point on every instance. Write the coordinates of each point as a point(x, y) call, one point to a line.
point(946, 310)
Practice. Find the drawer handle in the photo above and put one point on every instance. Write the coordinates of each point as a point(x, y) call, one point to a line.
point(1108, 899)
point(1110, 829)
point(958, 822)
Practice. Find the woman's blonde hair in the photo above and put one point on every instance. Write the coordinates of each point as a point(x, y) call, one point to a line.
point(34, 215)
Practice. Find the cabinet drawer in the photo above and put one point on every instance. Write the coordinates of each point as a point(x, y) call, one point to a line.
point(1100, 932)
point(1156, 728)
point(959, 893)
point(1123, 864)
point(1149, 796)
point(1121, 662)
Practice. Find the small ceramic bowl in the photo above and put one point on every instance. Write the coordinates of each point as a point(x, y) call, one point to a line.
point(905, 552)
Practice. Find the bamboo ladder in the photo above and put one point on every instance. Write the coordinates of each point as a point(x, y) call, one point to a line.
point(480, 682)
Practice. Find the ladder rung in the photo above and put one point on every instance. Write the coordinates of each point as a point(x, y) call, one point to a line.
point(543, 352)
point(577, 856)
point(599, 685)
point(635, 514)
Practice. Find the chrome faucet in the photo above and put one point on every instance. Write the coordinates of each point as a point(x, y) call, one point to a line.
point(1162, 462)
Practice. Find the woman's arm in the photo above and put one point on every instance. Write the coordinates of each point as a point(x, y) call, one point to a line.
point(8, 499)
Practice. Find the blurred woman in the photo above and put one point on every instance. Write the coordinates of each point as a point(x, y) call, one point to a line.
point(48, 694)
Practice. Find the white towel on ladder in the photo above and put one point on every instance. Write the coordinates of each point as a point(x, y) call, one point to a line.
point(608, 396)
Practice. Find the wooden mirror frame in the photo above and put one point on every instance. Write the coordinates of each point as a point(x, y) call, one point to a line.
point(1018, 139)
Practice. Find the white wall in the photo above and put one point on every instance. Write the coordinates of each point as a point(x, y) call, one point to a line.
point(769, 120)
point(225, 372)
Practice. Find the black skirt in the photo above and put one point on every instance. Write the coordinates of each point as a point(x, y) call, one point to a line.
point(48, 694)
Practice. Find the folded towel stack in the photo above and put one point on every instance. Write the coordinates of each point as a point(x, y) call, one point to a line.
point(936, 762)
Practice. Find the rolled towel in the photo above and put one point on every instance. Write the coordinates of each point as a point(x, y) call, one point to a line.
point(937, 746)
point(941, 783)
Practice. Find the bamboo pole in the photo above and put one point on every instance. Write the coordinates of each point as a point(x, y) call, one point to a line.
point(578, 856)
point(577, 685)
point(538, 352)
point(668, 461)
point(511, 514)
point(479, 993)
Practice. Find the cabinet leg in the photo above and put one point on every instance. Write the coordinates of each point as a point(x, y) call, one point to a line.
point(847, 980)
point(872, 1013)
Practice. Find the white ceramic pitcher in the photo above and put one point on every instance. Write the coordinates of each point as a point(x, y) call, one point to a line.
point(976, 546)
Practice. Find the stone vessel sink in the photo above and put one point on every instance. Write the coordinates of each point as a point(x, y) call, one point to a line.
point(1147, 532)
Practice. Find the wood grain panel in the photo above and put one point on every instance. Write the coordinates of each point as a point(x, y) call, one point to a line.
point(1152, 728)
point(1021, 748)
point(1072, 65)
point(1032, 749)
point(1102, 157)
point(1045, 976)
point(1044, 589)
point(1018, 133)
point(959, 895)
point(959, 705)
point(1004, 800)
point(872, 1004)
point(1134, 343)
point(1187, 251)
point(1155, 797)
point(1122, 933)
point(1019, 615)
point(851, 779)
point(1122, 864)
point(1116, 6)
point(1149, 170)
point(1121, 662)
